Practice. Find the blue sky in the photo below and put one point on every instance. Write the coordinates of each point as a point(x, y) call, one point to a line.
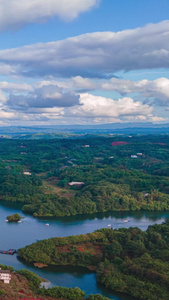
point(110, 15)
point(84, 62)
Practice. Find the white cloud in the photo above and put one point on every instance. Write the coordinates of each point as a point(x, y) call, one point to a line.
point(95, 106)
point(96, 54)
point(2, 97)
point(83, 83)
point(49, 102)
point(160, 91)
point(7, 114)
point(157, 89)
point(156, 119)
point(16, 13)
point(73, 83)
point(6, 69)
point(14, 87)
point(92, 110)
point(66, 101)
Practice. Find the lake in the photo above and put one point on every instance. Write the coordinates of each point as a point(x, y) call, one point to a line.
point(14, 235)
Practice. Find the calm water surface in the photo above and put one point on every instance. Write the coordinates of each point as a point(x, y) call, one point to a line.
point(14, 235)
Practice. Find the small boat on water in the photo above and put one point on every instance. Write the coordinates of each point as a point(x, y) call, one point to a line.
point(6, 221)
point(10, 251)
point(19, 221)
point(47, 224)
point(109, 225)
point(125, 221)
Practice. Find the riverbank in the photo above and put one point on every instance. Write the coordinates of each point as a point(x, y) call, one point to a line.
point(25, 285)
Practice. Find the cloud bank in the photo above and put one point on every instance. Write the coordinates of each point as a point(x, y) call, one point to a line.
point(98, 54)
point(48, 96)
point(50, 103)
point(156, 90)
point(96, 106)
point(16, 13)
point(56, 81)
point(54, 100)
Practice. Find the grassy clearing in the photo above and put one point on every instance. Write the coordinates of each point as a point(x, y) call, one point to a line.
point(49, 187)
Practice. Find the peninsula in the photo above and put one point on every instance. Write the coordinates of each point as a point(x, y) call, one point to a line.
point(125, 260)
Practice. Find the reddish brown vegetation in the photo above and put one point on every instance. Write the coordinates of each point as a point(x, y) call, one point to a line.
point(32, 299)
point(118, 143)
point(19, 289)
point(88, 247)
point(62, 249)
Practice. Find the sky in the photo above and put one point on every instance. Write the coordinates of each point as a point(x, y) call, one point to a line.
point(84, 62)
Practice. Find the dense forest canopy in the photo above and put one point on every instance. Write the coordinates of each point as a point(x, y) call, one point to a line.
point(125, 260)
point(117, 173)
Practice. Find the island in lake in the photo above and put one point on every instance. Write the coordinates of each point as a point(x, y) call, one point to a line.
point(14, 218)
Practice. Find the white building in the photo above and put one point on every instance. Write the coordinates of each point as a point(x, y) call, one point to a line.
point(75, 183)
point(27, 173)
point(5, 276)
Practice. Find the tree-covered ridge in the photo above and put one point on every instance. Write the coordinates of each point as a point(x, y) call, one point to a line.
point(37, 173)
point(126, 260)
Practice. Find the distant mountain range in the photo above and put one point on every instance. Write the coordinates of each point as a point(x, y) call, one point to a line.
point(114, 128)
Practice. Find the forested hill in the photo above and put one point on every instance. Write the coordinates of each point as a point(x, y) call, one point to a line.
point(126, 260)
point(63, 177)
